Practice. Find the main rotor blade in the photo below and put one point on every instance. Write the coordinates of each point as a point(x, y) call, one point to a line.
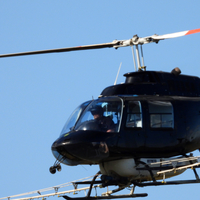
point(86, 47)
point(135, 40)
point(174, 35)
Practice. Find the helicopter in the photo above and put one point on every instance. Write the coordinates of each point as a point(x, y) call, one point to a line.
point(138, 132)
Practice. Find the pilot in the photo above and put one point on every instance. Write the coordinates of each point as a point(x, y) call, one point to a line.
point(105, 123)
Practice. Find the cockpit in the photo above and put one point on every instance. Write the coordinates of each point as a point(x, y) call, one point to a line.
point(103, 114)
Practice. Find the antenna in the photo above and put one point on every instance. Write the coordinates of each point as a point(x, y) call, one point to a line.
point(118, 73)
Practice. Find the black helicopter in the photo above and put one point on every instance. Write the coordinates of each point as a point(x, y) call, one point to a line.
point(137, 132)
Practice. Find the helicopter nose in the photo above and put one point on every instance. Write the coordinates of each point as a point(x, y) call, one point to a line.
point(60, 153)
point(79, 148)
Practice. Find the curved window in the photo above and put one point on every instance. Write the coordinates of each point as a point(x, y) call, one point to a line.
point(103, 115)
point(134, 115)
point(161, 114)
point(69, 125)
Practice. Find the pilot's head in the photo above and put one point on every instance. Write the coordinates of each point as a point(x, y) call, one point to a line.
point(97, 112)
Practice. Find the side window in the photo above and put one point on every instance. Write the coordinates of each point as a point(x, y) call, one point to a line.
point(134, 115)
point(161, 114)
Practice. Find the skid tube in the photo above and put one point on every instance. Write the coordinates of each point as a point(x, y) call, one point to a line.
point(165, 183)
point(107, 197)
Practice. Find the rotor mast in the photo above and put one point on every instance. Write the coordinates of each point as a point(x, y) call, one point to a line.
point(138, 67)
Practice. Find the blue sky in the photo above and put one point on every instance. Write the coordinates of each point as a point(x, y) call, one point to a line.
point(38, 93)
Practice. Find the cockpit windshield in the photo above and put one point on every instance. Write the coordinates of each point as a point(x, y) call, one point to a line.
point(69, 125)
point(103, 114)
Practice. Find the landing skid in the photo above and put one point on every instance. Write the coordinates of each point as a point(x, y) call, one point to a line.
point(106, 195)
point(165, 167)
point(166, 183)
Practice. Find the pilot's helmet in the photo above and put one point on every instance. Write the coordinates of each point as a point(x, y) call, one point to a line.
point(97, 110)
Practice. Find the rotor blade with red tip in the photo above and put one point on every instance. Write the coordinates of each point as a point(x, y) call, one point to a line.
point(174, 35)
point(116, 44)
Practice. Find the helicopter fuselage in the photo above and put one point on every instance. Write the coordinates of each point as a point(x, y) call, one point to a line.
point(155, 114)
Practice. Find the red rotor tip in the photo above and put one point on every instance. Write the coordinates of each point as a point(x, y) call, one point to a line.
point(193, 31)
